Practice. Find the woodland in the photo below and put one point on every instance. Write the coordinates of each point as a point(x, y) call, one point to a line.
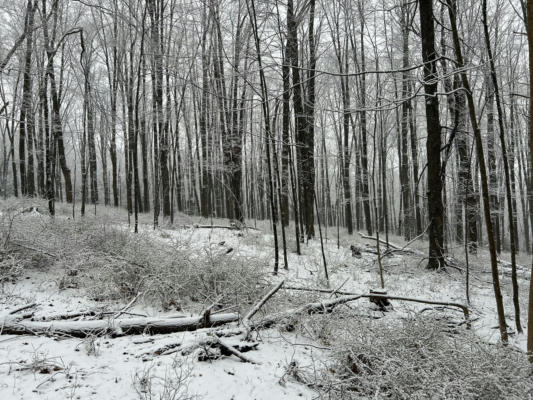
point(187, 182)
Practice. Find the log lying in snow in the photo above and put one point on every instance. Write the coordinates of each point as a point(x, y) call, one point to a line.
point(462, 307)
point(449, 261)
point(520, 269)
point(115, 327)
point(310, 308)
point(392, 246)
point(230, 227)
point(9, 324)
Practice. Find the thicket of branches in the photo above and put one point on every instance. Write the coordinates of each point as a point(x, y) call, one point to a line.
point(414, 358)
point(109, 263)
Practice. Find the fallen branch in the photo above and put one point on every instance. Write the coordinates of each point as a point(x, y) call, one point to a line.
point(463, 308)
point(128, 306)
point(310, 308)
point(406, 247)
point(68, 316)
point(257, 307)
point(262, 302)
point(526, 271)
point(95, 314)
point(395, 247)
point(270, 320)
point(22, 308)
point(390, 244)
point(35, 249)
point(232, 350)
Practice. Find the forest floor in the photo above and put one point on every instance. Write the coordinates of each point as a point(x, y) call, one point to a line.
point(67, 265)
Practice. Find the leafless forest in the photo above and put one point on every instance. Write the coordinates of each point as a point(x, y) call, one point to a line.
point(274, 159)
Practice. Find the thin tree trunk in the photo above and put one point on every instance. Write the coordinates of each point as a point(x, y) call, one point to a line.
point(483, 173)
point(529, 28)
point(511, 214)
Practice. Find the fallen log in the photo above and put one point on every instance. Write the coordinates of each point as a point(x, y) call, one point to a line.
point(229, 227)
point(462, 307)
point(520, 269)
point(10, 325)
point(310, 308)
point(114, 327)
point(390, 244)
point(90, 314)
point(393, 246)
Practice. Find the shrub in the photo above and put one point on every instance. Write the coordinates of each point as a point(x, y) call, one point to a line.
point(417, 358)
point(112, 263)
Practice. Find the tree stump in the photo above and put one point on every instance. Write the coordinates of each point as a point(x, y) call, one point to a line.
point(356, 251)
point(382, 302)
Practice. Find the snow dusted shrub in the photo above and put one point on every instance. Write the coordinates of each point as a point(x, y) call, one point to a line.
point(11, 267)
point(169, 274)
point(415, 358)
point(112, 263)
point(17, 218)
point(171, 385)
point(228, 278)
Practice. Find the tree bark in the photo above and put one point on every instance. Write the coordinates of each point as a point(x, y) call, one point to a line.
point(26, 124)
point(512, 216)
point(529, 28)
point(483, 173)
point(433, 143)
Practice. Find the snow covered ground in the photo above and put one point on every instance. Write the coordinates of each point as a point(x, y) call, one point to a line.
point(130, 367)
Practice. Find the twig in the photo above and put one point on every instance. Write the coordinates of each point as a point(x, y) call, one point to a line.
point(50, 378)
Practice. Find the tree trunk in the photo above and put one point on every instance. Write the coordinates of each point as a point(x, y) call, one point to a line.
point(408, 220)
point(26, 120)
point(433, 143)
point(512, 216)
point(529, 28)
point(364, 148)
point(483, 174)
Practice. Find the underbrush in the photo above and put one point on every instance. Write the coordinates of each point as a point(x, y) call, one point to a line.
point(112, 263)
point(414, 358)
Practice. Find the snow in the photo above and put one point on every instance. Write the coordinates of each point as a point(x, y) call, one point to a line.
point(50, 368)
